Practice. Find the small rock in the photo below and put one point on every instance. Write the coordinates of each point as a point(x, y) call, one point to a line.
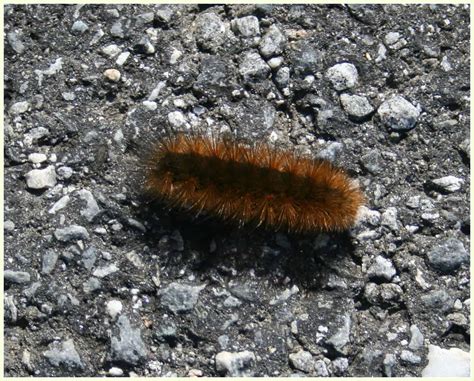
point(448, 255)
point(144, 46)
point(341, 337)
point(246, 26)
point(114, 308)
point(273, 42)
point(302, 360)
point(306, 60)
point(340, 365)
point(150, 105)
point(398, 114)
point(145, 18)
point(64, 354)
point(282, 77)
point(390, 219)
point(437, 300)
point(116, 30)
point(64, 172)
point(115, 372)
point(180, 297)
point(321, 369)
point(388, 362)
point(49, 261)
point(331, 151)
point(41, 178)
point(111, 50)
point(231, 302)
point(130, 346)
point(253, 67)
point(18, 277)
point(112, 75)
point(68, 96)
point(356, 106)
point(89, 257)
point(391, 38)
point(104, 271)
point(37, 158)
point(449, 184)
point(92, 209)
point(372, 162)
point(342, 76)
point(19, 107)
point(122, 58)
point(71, 233)
point(176, 119)
point(79, 27)
point(91, 285)
point(60, 204)
point(15, 42)
point(9, 226)
point(210, 31)
point(235, 364)
point(165, 13)
point(417, 339)
point(381, 268)
point(275, 62)
point(447, 363)
point(410, 357)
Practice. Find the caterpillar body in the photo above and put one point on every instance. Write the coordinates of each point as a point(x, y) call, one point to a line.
point(255, 184)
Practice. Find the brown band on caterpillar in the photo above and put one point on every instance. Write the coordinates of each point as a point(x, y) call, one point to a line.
point(258, 184)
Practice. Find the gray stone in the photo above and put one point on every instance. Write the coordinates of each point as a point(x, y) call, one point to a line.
point(417, 339)
point(79, 27)
point(321, 369)
point(71, 233)
point(438, 300)
point(89, 257)
point(130, 346)
point(176, 119)
point(275, 62)
point(331, 151)
point(302, 360)
point(64, 172)
point(41, 178)
point(210, 31)
point(232, 302)
point(145, 18)
point(18, 277)
point(356, 106)
point(410, 357)
point(253, 67)
point(11, 312)
point(398, 114)
point(389, 362)
point(111, 50)
point(165, 13)
point(92, 209)
point(391, 38)
point(116, 30)
point(372, 161)
point(9, 225)
point(246, 26)
point(342, 76)
point(383, 293)
point(15, 42)
point(273, 42)
point(64, 354)
point(447, 363)
point(49, 261)
point(19, 107)
point(341, 337)
point(449, 184)
point(180, 297)
point(390, 218)
point(448, 255)
point(340, 365)
point(91, 285)
point(60, 204)
point(235, 364)
point(306, 59)
point(105, 271)
point(381, 268)
point(282, 77)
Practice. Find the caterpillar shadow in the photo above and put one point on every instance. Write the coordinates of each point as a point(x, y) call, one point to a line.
point(214, 249)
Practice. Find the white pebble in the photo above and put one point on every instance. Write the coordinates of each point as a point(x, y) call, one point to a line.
point(112, 75)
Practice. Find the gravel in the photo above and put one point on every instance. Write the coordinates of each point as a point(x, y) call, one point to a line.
point(398, 114)
point(108, 282)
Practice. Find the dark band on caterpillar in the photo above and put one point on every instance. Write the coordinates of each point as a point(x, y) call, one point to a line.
point(250, 184)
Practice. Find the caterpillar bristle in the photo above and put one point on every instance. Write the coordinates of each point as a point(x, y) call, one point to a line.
point(257, 185)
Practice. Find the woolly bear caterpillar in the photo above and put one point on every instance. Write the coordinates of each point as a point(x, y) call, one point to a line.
point(250, 184)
